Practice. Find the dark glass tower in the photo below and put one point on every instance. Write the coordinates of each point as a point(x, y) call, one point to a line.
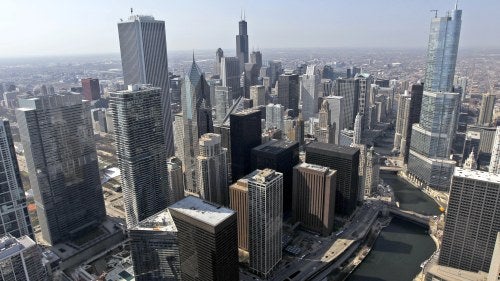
point(289, 92)
point(346, 161)
point(143, 48)
point(245, 135)
point(208, 240)
point(242, 44)
point(416, 92)
point(58, 140)
point(281, 156)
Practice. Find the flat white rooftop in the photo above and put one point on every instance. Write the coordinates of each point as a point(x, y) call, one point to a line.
point(10, 245)
point(477, 175)
point(202, 210)
point(161, 221)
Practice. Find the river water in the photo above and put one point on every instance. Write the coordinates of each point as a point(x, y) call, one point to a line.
point(402, 246)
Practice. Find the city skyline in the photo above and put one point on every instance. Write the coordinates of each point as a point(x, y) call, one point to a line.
point(405, 21)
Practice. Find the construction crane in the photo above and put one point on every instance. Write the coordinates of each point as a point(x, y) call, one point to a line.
point(435, 13)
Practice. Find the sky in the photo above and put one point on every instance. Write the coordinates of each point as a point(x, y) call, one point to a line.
point(70, 27)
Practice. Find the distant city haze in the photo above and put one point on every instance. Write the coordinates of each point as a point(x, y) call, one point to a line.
point(60, 27)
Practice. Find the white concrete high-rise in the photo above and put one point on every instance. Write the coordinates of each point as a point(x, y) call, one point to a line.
point(325, 131)
point(495, 154)
point(337, 117)
point(265, 201)
point(212, 170)
point(310, 84)
point(258, 95)
point(143, 48)
point(402, 121)
point(485, 117)
point(275, 114)
point(21, 259)
point(358, 129)
point(223, 101)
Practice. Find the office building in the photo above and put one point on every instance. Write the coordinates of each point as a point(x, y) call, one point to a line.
point(219, 54)
point(154, 248)
point(246, 130)
point(208, 240)
point(175, 179)
point(281, 156)
point(416, 93)
point(402, 121)
point(349, 89)
point(442, 52)
point(371, 172)
point(358, 128)
point(326, 88)
point(265, 199)
point(365, 81)
point(197, 120)
point(90, 89)
point(238, 201)
point(325, 131)
point(143, 49)
point(345, 160)
point(336, 106)
point(314, 197)
point(13, 208)
point(137, 119)
point(275, 116)
point(230, 75)
point(258, 95)
point(56, 132)
point(20, 259)
point(242, 50)
point(256, 58)
point(495, 154)
point(212, 170)
point(288, 92)
point(310, 84)
point(472, 220)
point(223, 101)
point(485, 117)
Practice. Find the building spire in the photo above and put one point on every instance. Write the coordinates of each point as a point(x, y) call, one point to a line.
point(193, 55)
point(456, 5)
point(241, 14)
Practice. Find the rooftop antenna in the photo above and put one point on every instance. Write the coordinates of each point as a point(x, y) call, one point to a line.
point(131, 11)
point(193, 55)
point(244, 17)
point(435, 13)
point(241, 14)
point(456, 5)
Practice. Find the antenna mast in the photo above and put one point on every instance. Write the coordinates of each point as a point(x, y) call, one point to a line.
point(435, 13)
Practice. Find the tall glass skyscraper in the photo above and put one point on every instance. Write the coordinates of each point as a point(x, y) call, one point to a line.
point(143, 48)
point(429, 157)
point(242, 44)
point(442, 52)
point(58, 140)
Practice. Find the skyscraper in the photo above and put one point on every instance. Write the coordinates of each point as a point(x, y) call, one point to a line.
point(288, 92)
point(281, 156)
point(275, 114)
point(472, 220)
point(58, 140)
point(495, 154)
point(365, 81)
point(238, 197)
point(223, 101)
point(265, 199)
point(13, 208)
point(175, 179)
point(208, 240)
point(90, 89)
point(349, 89)
point(314, 197)
point(309, 91)
point(371, 174)
point(242, 44)
point(245, 135)
point(143, 49)
point(325, 131)
point(345, 160)
point(336, 105)
point(402, 120)
point(219, 54)
point(195, 105)
point(20, 259)
point(141, 151)
point(432, 137)
point(212, 170)
point(416, 92)
point(485, 117)
point(256, 58)
point(230, 75)
point(442, 52)
point(154, 248)
point(258, 95)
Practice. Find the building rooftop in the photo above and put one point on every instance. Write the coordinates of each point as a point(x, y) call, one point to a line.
point(264, 175)
point(246, 112)
point(204, 211)
point(315, 167)
point(477, 175)
point(332, 147)
point(276, 146)
point(449, 273)
point(9, 245)
point(161, 221)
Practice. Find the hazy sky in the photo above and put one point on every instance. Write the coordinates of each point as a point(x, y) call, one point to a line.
point(65, 27)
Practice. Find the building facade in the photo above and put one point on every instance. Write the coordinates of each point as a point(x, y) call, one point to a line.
point(58, 140)
point(90, 89)
point(143, 48)
point(349, 90)
point(21, 259)
point(310, 84)
point(141, 151)
point(314, 197)
point(288, 92)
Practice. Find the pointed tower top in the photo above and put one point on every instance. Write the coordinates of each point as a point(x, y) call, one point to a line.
point(245, 18)
point(193, 55)
point(456, 5)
